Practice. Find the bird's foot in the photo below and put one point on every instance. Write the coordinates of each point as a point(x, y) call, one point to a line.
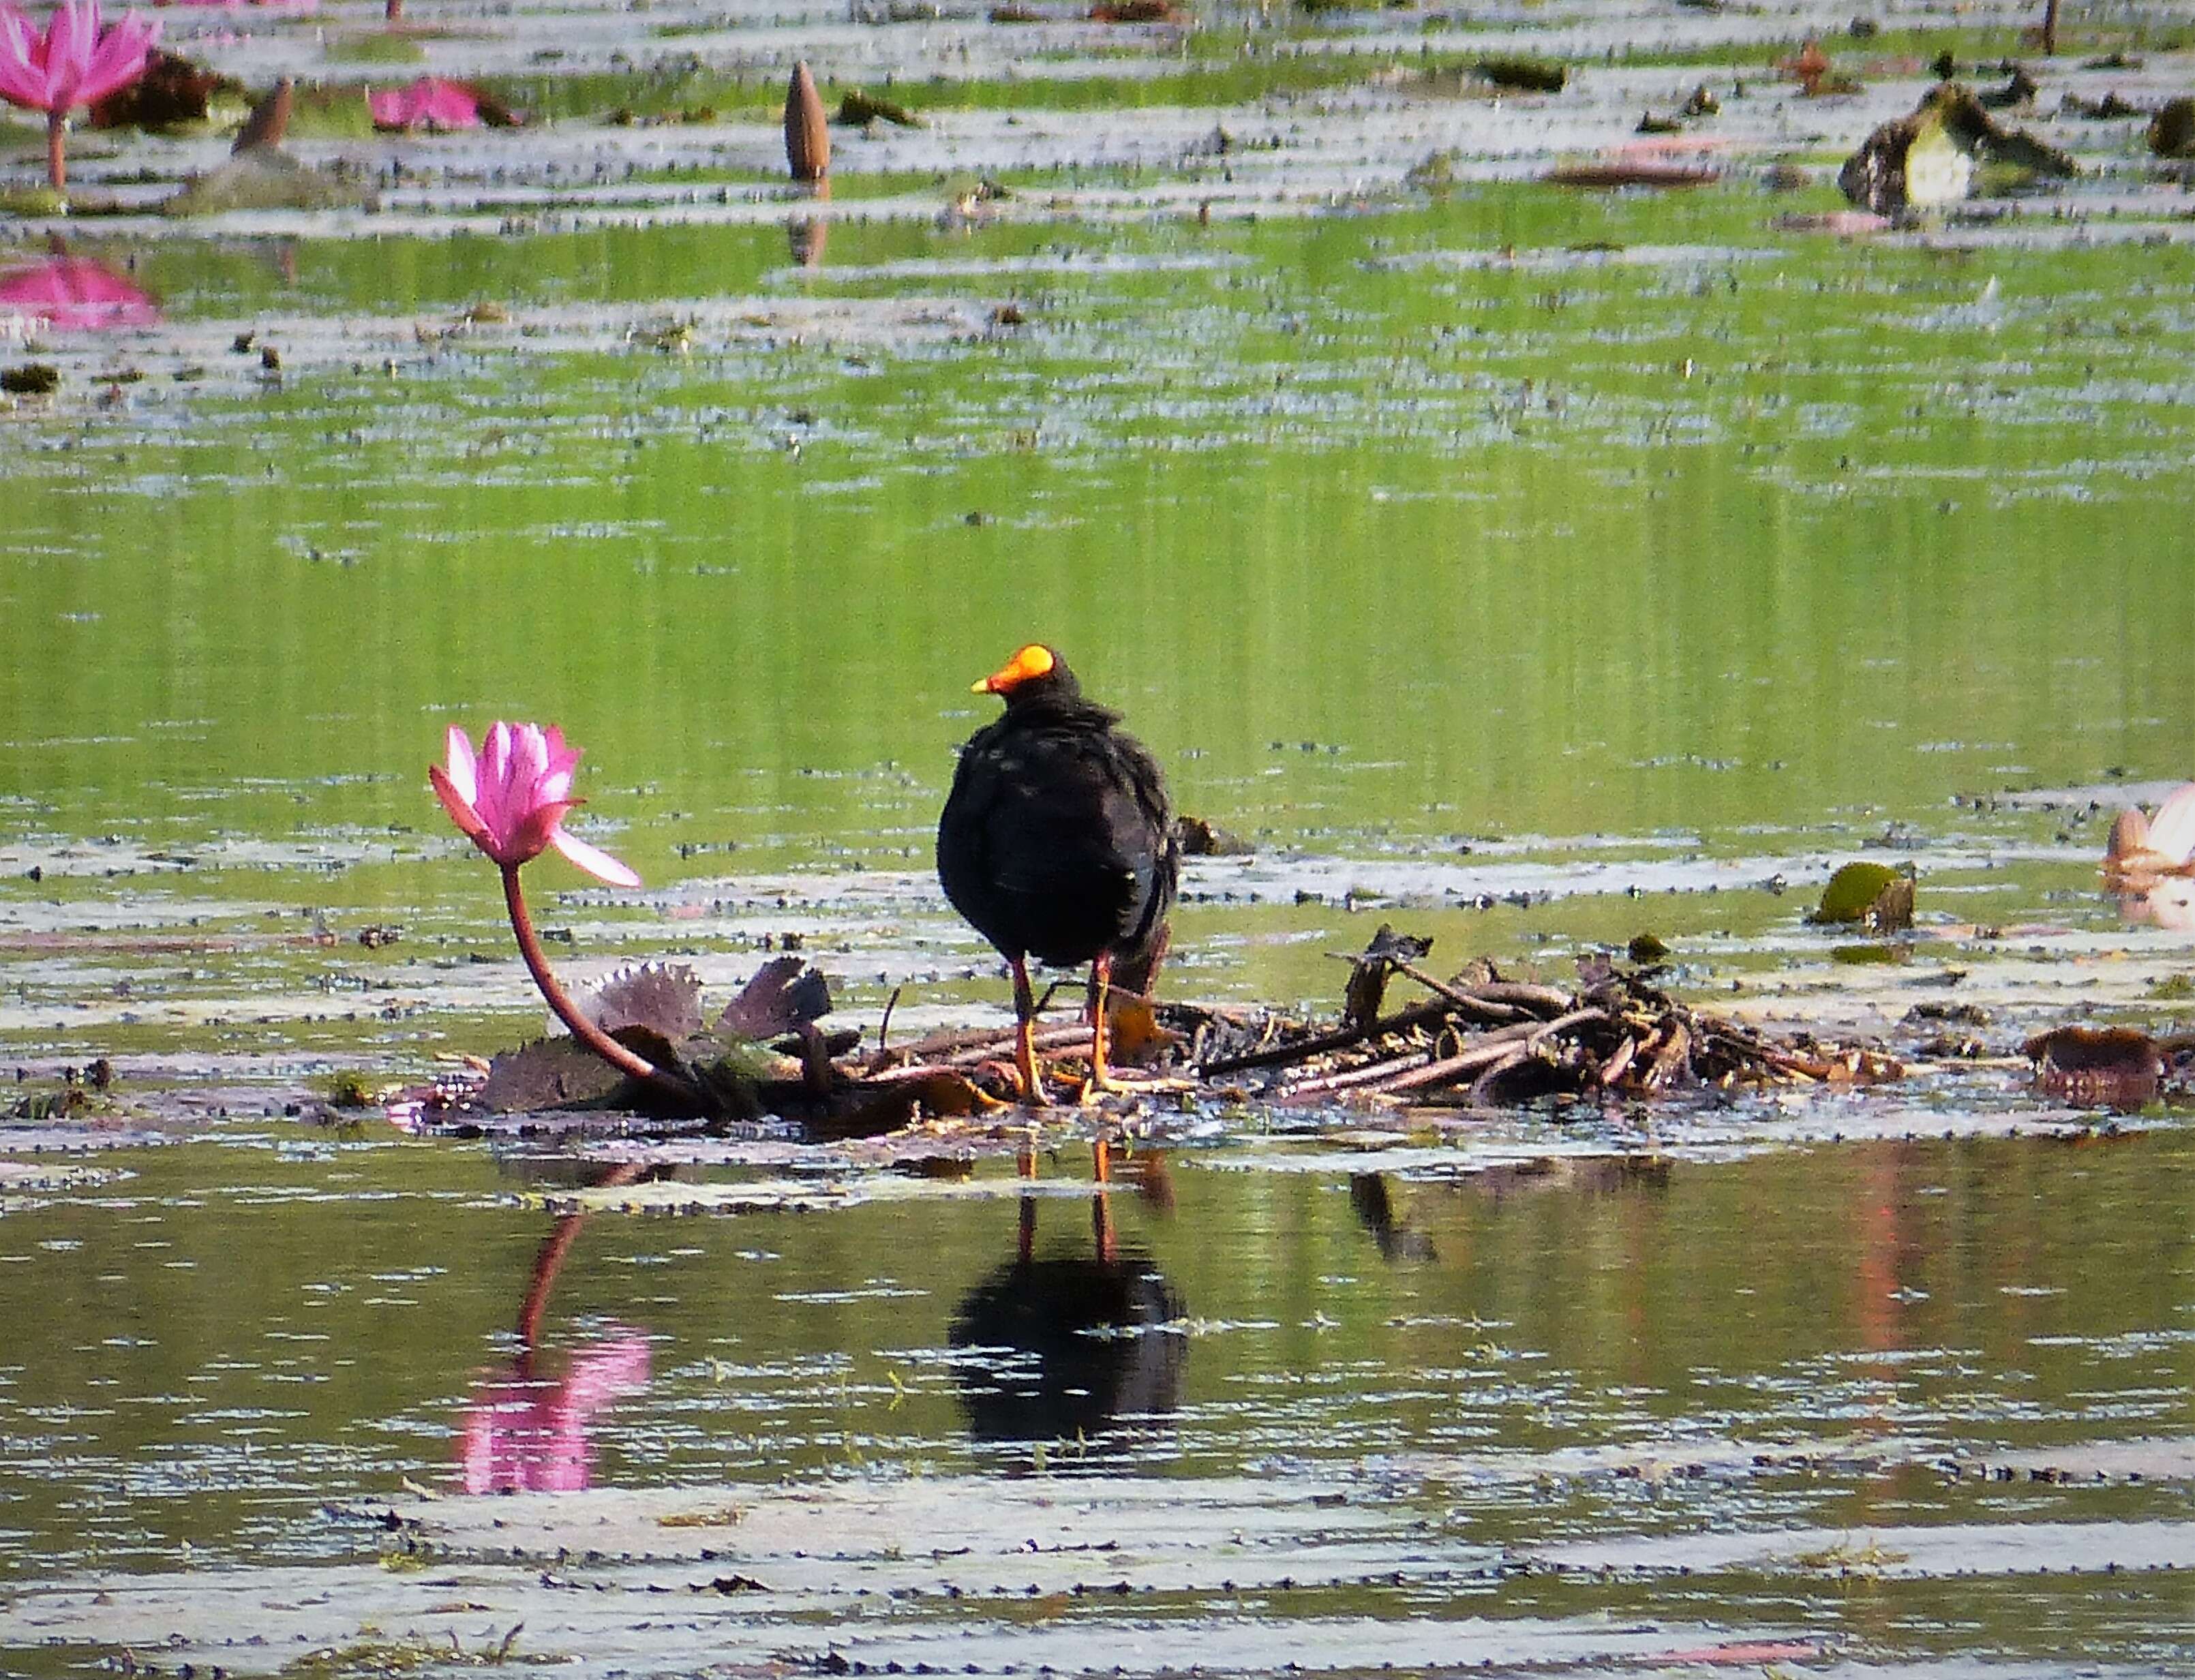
point(1116, 1083)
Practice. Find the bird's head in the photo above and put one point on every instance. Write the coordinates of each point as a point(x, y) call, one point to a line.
point(1034, 672)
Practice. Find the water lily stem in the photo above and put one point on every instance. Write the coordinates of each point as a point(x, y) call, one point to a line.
point(57, 149)
point(537, 964)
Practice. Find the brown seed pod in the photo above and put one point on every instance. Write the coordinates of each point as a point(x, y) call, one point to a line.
point(269, 120)
point(807, 137)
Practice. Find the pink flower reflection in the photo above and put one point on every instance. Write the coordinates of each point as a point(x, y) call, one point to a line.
point(431, 102)
point(2163, 901)
point(523, 1436)
point(73, 294)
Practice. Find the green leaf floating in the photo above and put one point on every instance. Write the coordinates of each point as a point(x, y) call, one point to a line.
point(1871, 893)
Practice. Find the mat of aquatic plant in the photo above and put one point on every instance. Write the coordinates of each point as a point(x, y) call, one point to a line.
point(1552, 570)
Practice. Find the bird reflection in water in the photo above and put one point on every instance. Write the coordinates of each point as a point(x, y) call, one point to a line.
point(1086, 1347)
point(526, 1433)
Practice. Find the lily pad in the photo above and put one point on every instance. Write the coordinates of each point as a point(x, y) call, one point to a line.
point(663, 997)
point(783, 995)
point(1871, 894)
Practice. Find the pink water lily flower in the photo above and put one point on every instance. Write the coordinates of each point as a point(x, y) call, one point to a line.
point(431, 101)
point(76, 62)
point(71, 294)
point(511, 799)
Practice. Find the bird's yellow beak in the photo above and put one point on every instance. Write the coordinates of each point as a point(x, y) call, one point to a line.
point(1031, 662)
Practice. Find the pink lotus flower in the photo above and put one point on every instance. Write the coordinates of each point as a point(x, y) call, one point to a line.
point(511, 800)
point(523, 1436)
point(73, 294)
point(75, 63)
point(437, 104)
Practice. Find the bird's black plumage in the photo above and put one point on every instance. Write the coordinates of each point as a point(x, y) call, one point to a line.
point(1057, 840)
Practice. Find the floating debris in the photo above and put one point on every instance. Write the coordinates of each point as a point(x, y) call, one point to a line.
point(1811, 68)
point(172, 92)
point(2172, 130)
point(1201, 838)
point(2018, 92)
point(857, 110)
point(1135, 11)
point(1484, 1040)
point(269, 120)
point(1434, 175)
point(1930, 158)
point(1636, 166)
point(2110, 108)
point(31, 379)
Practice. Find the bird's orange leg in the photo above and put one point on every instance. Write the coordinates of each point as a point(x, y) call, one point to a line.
point(1101, 976)
point(1025, 1032)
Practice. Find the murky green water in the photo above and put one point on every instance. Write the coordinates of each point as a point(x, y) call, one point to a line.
point(1530, 568)
point(1387, 542)
point(1470, 530)
point(1990, 1296)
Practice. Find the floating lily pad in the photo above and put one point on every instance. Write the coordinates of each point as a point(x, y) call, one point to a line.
point(1872, 895)
point(2115, 1067)
point(547, 1073)
point(664, 997)
point(783, 995)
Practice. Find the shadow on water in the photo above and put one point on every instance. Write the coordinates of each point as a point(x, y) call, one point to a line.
point(1071, 1346)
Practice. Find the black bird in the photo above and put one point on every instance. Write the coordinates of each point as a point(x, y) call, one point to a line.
point(1057, 843)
